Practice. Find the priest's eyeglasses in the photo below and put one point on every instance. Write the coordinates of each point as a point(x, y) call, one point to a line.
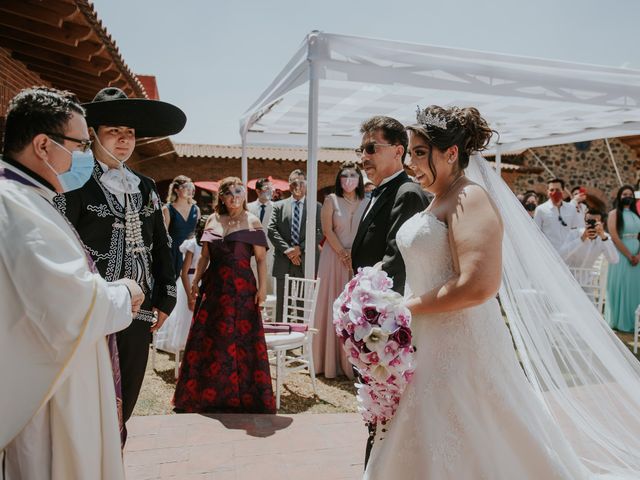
point(85, 145)
point(370, 148)
point(561, 220)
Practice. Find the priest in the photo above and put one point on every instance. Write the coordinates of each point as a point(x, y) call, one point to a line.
point(58, 413)
point(118, 215)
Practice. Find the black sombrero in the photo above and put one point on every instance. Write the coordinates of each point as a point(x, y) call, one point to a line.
point(149, 118)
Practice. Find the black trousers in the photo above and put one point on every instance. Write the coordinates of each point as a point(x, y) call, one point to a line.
point(133, 350)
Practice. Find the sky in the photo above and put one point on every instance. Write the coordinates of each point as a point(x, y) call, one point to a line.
point(214, 58)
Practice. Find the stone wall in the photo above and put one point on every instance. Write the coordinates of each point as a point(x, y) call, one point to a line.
point(586, 163)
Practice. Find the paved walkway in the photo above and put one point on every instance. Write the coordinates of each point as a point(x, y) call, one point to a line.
point(246, 447)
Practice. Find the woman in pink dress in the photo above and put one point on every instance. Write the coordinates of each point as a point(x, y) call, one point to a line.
point(341, 214)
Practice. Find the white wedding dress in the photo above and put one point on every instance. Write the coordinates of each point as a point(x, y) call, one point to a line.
point(469, 412)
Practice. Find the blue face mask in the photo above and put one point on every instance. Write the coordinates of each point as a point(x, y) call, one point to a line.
point(80, 171)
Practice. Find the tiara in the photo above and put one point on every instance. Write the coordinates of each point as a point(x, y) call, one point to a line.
point(430, 120)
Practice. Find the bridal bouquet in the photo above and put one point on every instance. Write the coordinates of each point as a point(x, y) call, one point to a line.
point(373, 324)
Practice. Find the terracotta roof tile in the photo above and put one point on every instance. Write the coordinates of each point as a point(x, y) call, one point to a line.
point(199, 150)
point(191, 150)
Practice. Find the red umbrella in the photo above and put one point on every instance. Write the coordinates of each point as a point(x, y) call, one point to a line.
point(211, 186)
point(276, 182)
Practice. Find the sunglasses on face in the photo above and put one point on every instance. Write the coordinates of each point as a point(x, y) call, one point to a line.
point(370, 148)
point(234, 192)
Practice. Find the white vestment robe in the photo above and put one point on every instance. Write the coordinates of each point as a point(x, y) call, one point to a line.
point(58, 416)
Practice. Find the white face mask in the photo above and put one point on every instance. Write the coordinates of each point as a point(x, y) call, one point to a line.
point(349, 184)
point(266, 195)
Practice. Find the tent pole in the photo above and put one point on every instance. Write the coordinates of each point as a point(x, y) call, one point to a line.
point(244, 163)
point(312, 161)
point(613, 160)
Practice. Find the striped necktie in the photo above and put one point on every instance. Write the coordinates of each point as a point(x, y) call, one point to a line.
point(295, 224)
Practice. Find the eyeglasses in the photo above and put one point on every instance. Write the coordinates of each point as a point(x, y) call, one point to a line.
point(562, 221)
point(370, 148)
point(234, 192)
point(85, 145)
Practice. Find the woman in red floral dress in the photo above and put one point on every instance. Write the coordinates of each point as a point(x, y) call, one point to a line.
point(225, 367)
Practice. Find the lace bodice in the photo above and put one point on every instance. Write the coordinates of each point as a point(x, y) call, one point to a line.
point(423, 241)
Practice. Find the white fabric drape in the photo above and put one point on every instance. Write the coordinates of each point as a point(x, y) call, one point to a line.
point(588, 380)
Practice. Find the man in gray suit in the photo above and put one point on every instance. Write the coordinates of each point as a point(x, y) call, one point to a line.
point(263, 208)
point(287, 234)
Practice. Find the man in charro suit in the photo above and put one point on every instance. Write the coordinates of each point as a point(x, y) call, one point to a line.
point(395, 199)
point(287, 234)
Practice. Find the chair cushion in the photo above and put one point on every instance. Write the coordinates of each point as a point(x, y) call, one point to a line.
point(279, 339)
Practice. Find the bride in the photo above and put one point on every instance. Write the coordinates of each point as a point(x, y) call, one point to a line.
point(566, 404)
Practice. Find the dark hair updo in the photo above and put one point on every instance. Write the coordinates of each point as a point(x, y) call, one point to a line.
point(446, 127)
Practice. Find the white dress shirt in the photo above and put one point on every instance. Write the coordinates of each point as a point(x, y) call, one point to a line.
point(578, 253)
point(373, 199)
point(547, 217)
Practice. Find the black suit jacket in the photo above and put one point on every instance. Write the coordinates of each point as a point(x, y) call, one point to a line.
point(375, 239)
point(279, 232)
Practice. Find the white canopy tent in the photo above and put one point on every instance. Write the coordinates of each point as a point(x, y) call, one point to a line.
point(334, 82)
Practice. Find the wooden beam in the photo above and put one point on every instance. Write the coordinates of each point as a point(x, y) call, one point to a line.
point(52, 12)
point(148, 140)
point(67, 64)
point(72, 83)
point(69, 34)
point(83, 50)
point(70, 77)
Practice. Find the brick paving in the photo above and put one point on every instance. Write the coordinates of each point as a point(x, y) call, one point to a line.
point(244, 447)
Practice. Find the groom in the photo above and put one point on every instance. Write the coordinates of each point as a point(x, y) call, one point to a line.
point(395, 199)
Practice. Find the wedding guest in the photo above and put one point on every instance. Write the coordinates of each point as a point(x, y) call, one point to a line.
point(530, 202)
point(395, 199)
point(623, 283)
point(59, 409)
point(579, 201)
point(225, 367)
point(555, 217)
point(585, 245)
point(287, 233)
point(341, 213)
point(262, 208)
point(172, 337)
point(118, 215)
point(180, 216)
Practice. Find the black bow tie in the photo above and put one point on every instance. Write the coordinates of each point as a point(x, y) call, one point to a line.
point(377, 191)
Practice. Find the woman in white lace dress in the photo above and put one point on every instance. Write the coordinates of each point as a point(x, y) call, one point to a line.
point(470, 412)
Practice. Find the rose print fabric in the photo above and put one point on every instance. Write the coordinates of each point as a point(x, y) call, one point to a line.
point(225, 367)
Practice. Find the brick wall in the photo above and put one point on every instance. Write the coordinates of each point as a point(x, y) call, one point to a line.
point(14, 76)
point(587, 164)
